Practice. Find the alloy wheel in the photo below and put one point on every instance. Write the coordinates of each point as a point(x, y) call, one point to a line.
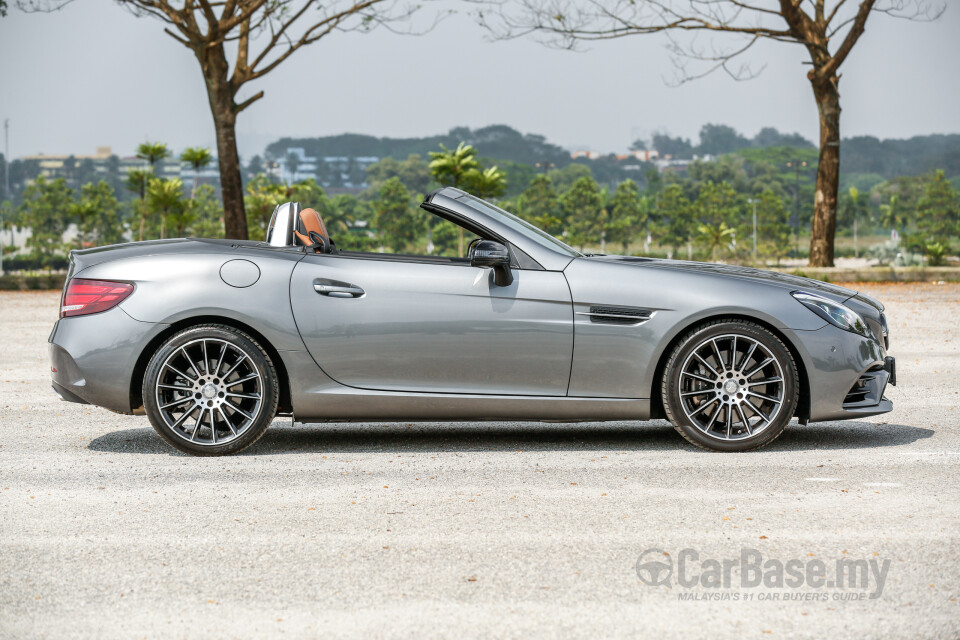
point(731, 387)
point(209, 391)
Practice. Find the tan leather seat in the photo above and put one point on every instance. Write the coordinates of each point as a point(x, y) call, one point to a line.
point(310, 221)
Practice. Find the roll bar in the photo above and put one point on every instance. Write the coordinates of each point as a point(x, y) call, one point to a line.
point(282, 224)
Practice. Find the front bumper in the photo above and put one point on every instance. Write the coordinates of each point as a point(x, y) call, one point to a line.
point(93, 358)
point(847, 374)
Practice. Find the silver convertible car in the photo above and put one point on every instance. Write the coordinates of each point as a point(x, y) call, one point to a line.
point(214, 338)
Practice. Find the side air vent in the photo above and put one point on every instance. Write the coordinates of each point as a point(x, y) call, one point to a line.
point(617, 315)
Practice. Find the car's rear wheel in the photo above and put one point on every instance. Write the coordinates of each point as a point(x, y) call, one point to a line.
point(730, 386)
point(210, 390)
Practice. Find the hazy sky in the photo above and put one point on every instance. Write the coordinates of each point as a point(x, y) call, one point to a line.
point(95, 75)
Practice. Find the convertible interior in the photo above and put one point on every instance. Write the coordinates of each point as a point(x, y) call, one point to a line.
point(311, 233)
point(293, 226)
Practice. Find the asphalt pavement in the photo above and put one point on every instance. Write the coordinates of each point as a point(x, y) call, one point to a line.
point(484, 529)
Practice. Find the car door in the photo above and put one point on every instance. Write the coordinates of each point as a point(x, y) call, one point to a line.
point(422, 325)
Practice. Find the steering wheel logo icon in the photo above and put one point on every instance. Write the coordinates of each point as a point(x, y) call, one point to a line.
point(655, 567)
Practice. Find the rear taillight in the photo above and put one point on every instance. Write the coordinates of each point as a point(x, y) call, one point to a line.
point(83, 297)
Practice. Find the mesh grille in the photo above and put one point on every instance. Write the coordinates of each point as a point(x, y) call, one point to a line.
point(619, 315)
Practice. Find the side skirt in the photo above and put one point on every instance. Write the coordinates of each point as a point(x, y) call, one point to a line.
point(348, 405)
point(318, 398)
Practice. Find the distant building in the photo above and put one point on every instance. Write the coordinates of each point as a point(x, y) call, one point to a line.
point(208, 175)
point(663, 163)
point(337, 173)
point(104, 163)
point(295, 165)
point(58, 166)
point(589, 155)
point(668, 163)
point(644, 155)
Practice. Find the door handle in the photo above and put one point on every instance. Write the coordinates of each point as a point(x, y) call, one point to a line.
point(338, 290)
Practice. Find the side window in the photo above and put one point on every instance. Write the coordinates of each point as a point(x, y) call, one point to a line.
point(448, 239)
point(410, 232)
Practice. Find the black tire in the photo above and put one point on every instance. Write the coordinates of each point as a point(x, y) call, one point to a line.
point(721, 384)
point(230, 413)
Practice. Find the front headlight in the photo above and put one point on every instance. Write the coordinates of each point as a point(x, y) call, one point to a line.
point(833, 312)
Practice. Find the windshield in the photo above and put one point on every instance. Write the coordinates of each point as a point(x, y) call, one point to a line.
point(539, 236)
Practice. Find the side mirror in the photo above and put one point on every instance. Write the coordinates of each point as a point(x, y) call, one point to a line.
point(488, 253)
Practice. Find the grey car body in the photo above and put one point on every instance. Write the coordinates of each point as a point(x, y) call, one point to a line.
point(572, 337)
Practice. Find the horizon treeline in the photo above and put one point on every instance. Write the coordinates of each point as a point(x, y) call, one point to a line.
point(703, 212)
point(503, 145)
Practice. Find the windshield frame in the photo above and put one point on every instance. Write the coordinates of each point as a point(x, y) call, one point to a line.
point(519, 225)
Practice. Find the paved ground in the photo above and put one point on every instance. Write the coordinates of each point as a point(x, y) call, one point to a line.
point(476, 530)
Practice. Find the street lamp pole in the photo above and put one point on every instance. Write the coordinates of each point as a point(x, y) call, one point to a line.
point(6, 179)
point(753, 201)
point(796, 164)
point(6, 158)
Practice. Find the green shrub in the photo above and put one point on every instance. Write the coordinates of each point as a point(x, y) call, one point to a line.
point(32, 282)
point(937, 254)
point(34, 262)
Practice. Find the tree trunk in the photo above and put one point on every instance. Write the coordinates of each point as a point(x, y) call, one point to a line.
point(828, 174)
point(231, 182)
point(143, 206)
point(220, 94)
point(856, 243)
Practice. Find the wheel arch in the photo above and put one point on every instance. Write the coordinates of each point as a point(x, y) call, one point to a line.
point(656, 397)
point(140, 369)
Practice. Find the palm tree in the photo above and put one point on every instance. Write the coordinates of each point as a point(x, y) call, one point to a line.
point(136, 182)
point(84, 213)
point(894, 214)
point(261, 199)
point(452, 167)
point(715, 236)
point(70, 170)
point(293, 163)
point(166, 197)
point(855, 210)
point(8, 220)
point(487, 183)
point(153, 152)
point(198, 158)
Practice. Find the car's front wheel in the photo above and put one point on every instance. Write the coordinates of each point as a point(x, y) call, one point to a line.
point(730, 386)
point(210, 390)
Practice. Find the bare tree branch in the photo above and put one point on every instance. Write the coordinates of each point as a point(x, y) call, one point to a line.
point(249, 101)
point(41, 6)
point(856, 30)
point(810, 23)
point(265, 34)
